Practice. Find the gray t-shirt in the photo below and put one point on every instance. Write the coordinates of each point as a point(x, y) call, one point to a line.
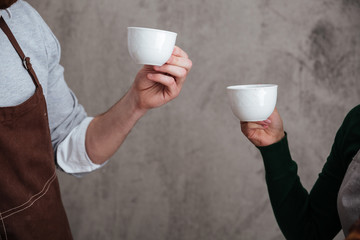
point(68, 120)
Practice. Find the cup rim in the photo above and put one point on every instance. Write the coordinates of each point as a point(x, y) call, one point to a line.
point(251, 86)
point(152, 29)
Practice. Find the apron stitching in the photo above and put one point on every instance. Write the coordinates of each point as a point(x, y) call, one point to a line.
point(30, 202)
point(13, 213)
point(47, 183)
point(2, 220)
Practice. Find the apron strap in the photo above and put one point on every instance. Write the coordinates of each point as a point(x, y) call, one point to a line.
point(25, 60)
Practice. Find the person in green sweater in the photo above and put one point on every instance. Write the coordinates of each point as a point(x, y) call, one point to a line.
point(333, 202)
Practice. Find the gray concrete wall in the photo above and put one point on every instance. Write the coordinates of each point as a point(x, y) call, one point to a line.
point(186, 171)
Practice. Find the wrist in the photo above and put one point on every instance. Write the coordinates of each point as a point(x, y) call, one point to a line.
point(277, 159)
point(279, 137)
point(132, 101)
point(275, 141)
point(107, 131)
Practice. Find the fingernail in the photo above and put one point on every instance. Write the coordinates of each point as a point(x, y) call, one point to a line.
point(267, 121)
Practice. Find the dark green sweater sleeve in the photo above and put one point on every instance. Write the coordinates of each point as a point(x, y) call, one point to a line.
point(303, 215)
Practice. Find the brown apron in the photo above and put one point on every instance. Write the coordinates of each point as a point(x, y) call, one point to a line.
point(30, 202)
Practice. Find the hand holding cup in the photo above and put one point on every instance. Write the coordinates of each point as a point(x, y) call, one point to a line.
point(254, 105)
point(264, 133)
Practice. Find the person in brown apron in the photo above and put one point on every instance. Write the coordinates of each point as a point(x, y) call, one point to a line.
point(30, 202)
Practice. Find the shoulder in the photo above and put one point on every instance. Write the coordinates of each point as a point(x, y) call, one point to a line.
point(22, 10)
point(346, 143)
point(354, 114)
point(351, 123)
point(31, 17)
point(349, 135)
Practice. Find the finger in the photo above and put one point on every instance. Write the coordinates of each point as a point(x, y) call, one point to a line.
point(173, 70)
point(253, 125)
point(165, 80)
point(179, 52)
point(265, 122)
point(249, 129)
point(180, 62)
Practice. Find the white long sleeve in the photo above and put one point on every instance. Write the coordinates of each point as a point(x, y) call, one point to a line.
point(71, 152)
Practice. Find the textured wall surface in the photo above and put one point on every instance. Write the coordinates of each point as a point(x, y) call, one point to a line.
point(186, 171)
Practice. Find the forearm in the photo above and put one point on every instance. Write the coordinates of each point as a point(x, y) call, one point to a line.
point(282, 180)
point(299, 215)
point(152, 87)
point(107, 131)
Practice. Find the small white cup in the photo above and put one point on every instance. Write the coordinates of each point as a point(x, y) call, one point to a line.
point(150, 46)
point(252, 103)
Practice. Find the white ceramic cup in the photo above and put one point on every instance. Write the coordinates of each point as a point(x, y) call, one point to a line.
point(150, 46)
point(252, 103)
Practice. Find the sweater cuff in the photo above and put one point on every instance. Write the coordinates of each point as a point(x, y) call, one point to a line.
point(277, 158)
